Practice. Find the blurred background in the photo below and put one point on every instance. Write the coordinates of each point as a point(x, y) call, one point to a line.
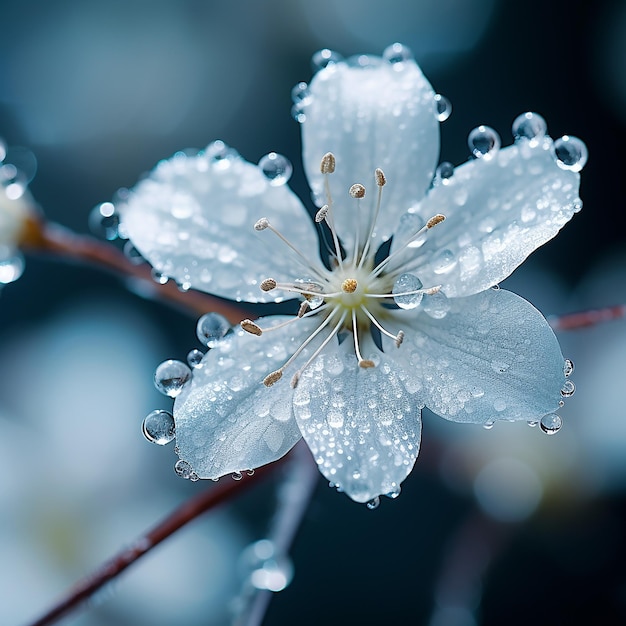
point(499, 526)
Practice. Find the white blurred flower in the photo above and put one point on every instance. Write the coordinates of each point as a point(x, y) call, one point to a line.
point(469, 353)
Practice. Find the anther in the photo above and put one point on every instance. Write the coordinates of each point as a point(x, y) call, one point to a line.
point(357, 191)
point(295, 380)
point(327, 166)
point(366, 364)
point(272, 378)
point(349, 285)
point(431, 291)
point(250, 327)
point(262, 224)
point(268, 284)
point(399, 338)
point(381, 180)
point(304, 307)
point(434, 220)
point(320, 216)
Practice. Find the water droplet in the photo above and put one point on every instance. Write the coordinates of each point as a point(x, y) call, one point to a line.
point(437, 305)
point(529, 126)
point(11, 265)
point(194, 358)
point(324, 58)
point(158, 277)
point(250, 472)
point(300, 94)
point(551, 423)
point(373, 503)
point(489, 424)
point(397, 54)
point(183, 469)
point(568, 367)
point(104, 221)
point(193, 477)
point(404, 284)
point(568, 389)
point(211, 328)
point(314, 301)
point(443, 107)
point(132, 254)
point(220, 154)
point(571, 153)
point(276, 168)
point(499, 366)
point(484, 142)
point(499, 404)
point(532, 423)
point(171, 376)
point(394, 493)
point(443, 261)
point(159, 427)
point(444, 173)
point(298, 114)
point(236, 475)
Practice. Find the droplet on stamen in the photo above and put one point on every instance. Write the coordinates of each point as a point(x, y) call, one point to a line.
point(272, 378)
point(268, 284)
point(250, 327)
point(357, 191)
point(327, 166)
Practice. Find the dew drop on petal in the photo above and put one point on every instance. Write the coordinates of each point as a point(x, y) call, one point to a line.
point(11, 266)
point(397, 53)
point(298, 114)
point(373, 503)
point(444, 173)
point(570, 153)
point(394, 493)
point(532, 423)
point(310, 285)
point(276, 168)
point(489, 424)
point(568, 367)
point(183, 469)
point(194, 358)
point(324, 58)
point(211, 328)
point(236, 475)
point(159, 277)
point(484, 142)
point(551, 423)
point(443, 261)
point(443, 107)
point(171, 376)
point(104, 221)
point(158, 427)
point(568, 389)
point(529, 126)
point(437, 305)
point(300, 94)
point(405, 283)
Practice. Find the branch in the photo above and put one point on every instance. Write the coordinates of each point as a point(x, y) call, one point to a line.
point(51, 239)
point(585, 319)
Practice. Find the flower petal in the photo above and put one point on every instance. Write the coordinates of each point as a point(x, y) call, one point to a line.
point(227, 420)
point(362, 425)
point(492, 357)
point(379, 116)
point(193, 219)
point(498, 211)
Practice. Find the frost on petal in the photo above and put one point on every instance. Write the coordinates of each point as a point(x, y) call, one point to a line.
point(362, 425)
point(372, 117)
point(193, 219)
point(498, 211)
point(492, 357)
point(227, 420)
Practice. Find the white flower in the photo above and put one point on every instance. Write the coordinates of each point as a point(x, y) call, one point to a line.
point(441, 337)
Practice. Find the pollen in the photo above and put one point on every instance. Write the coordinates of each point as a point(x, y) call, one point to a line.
point(327, 166)
point(268, 284)
point(381, 180)
point(434, 220)
point(357, 191)
point(250, 327)
point(272, 378)
point(349, 285)
point(262, 224)
point(366, 364)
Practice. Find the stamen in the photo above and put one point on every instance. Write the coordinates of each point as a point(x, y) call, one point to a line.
point(327, 166)
point(364, 363)
point(429, 291)
point(357, 191)
point(272, 378)
point(349, 285)
point(268, 284)
point(262, 224)
point(381, 181)
point(304, 307)
point(434, 220)
point(397, 338)
point(320, 216)
point(291, 320)
point(250, 327)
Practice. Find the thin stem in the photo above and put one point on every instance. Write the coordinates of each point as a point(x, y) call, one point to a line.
point(187, 512)
point(584, 319)
point(54, 240)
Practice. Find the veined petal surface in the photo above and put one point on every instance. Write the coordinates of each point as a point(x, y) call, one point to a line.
point(193, 220)
point(497, 212)
point(362, 425)
point(227, 420)
point(378, 116)
point(492, 357)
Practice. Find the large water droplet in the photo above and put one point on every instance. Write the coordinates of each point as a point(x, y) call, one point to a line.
point(314, 301)
point(444, 173)
point(183, 469)
point(397, 54)
point(551, 423)
point(276, 168)
point(443, 261)
point(404, 284)
point(568, 389)
point(171, 376)
point(443, 107)
point(194, 358)
point(484, 142)
point(571, 153)
point(105, 221)
point(568, 367)
point(220, 154)
point(159, 427)
point(211, 328)
point(529, 126)
point(437, 305)
point(373, 503)
point(11, 265)
point(324, 58)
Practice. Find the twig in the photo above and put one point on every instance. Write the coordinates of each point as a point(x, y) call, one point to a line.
point(52, 239)
point(186, 513)
point(584, 319)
